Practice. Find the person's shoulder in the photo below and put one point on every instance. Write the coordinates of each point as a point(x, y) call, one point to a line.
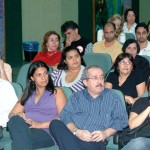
point(99, 43)
point(135, 24)
point(111, 93)
point(85, 40)
point(59, 52)
point(141, 101)
point(5, 83)
point(141, 58)
point(148, 44)
point(118, 44)
point(7, 66)
point(58, 90)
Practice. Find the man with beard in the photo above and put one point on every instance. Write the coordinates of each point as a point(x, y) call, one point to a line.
point(109, 45)
point(91, 115)
point(141, 32)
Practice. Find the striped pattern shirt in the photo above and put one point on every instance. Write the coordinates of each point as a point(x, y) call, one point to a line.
point(58, 77)
point(103, 112)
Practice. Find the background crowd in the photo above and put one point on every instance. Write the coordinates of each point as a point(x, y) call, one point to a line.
point(42, 101)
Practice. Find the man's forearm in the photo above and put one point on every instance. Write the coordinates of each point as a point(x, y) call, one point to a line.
point(72, 127)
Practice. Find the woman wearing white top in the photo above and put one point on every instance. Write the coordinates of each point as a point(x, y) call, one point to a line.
point(118, 21)
point(130, 21)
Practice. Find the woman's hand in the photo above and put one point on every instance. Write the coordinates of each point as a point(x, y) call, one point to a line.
point(22, 115)
point(33, 124)
point(129, 100)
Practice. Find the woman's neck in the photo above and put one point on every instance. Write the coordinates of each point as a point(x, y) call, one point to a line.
point(74, 70)
point(129, 25)
point(40, 90)
point(124, 75)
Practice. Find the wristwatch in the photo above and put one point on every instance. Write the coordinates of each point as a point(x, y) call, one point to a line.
point(74, 132)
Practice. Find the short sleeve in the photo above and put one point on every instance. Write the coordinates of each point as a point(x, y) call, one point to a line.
point(110, 78)
point(140, 105)
point(139, 77)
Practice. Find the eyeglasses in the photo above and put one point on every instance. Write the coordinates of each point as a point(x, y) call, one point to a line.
point(125, 63)
point(95, 78)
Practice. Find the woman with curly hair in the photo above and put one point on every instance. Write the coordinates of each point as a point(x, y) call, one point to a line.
point(50, 53)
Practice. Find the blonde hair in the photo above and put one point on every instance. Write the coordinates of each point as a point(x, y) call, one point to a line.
point(114, 18)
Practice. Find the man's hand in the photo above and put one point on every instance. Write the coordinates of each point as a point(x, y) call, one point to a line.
point(69, 40)
point(98, 136)
point(83, 135)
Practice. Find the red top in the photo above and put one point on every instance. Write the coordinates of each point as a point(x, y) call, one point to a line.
point(51, 58)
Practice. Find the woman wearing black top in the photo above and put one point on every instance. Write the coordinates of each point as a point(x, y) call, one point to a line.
point(139, 113)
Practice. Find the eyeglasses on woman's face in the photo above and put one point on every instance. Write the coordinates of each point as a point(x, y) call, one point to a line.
point(125, 62)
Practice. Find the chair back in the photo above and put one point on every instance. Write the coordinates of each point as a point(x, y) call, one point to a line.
point(146, 57)
point(18, 88)
point(67, 91)
point(22, 75)
point(145, 94)
point(121, 96)
point(103, 60)
point(129, 36)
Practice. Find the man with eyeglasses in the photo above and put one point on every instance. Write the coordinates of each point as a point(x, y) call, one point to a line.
point(109, 45)
point(91, 116)
point(70, 30)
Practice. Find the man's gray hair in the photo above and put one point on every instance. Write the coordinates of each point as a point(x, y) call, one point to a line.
point(85, 74)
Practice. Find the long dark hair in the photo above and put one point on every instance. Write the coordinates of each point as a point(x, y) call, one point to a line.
point(30, 86)
point(121, 57)
point(63, 65)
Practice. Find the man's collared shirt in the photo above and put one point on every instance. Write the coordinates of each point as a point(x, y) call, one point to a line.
point(146, 50)
point(103, 112)
point(113, 51)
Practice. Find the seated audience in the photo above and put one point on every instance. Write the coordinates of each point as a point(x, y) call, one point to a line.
point(140, 112)
point(8, 99)
point(110, 45)
point(69, 70)
point(50, 53)
point(142, 33)
point(126, 79)
point(91, 115)
point(39, 104)
point(131, 46)
point(118, 21)
point(5, 71)
point(72, 38)
point(130, 21)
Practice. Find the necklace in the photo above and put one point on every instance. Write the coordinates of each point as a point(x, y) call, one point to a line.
point(51, 53)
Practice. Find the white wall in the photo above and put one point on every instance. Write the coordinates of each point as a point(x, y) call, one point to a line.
point(40, 16)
